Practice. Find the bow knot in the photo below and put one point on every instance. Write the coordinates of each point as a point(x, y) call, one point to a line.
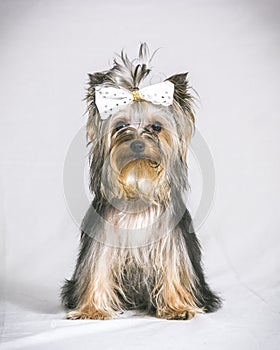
point(136, 95)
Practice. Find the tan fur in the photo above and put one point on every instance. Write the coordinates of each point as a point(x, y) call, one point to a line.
point(140, 176)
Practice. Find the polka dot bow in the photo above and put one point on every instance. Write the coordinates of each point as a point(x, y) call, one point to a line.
point(109, 100)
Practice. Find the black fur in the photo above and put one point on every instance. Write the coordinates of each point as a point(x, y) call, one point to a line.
point(208, 300)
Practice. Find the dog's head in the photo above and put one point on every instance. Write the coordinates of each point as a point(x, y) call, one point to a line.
point(138, 146)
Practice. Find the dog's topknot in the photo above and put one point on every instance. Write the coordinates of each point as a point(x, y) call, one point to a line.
point(125, 73)
point(129, 74)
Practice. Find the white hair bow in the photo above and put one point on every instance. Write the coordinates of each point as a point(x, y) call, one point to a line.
point(110, 99)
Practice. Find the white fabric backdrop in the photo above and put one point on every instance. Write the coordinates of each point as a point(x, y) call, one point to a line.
point(231, 49)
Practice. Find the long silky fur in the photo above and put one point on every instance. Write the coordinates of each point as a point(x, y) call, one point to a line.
point(143, 260)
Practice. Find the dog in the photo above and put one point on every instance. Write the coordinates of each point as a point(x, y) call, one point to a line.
point(138, 248)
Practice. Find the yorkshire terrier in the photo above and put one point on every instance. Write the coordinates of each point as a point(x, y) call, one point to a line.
point(138, 249)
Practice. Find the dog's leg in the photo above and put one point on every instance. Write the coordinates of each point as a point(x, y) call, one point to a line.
point(95, 304)
point(174, 303)
point(93, 292)
point(173, 294)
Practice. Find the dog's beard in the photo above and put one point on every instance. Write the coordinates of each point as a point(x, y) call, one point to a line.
point(138, 179)
point(136, 174)
point(141, 179)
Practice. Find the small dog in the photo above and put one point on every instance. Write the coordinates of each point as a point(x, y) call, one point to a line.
point(138, 247)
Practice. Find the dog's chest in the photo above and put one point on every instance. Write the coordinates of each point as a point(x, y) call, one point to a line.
point(133, 227)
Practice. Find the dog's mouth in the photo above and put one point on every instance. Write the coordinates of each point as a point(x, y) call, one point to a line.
point(142, 158)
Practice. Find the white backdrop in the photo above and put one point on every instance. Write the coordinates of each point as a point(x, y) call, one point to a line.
point(231, 49)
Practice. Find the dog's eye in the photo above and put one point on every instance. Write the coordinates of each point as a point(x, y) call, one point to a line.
point(156, 126)
point(121, 124)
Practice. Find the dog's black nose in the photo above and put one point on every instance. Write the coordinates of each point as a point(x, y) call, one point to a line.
point(137, 146)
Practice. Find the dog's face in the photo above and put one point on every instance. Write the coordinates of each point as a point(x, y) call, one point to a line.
point(140, 143)
point(143, 151)
point(139, 151)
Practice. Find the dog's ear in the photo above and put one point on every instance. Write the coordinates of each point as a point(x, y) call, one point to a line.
point(180, 82)
point(185, 115)
point(182, 92)
point(97, 78)
point(93, 122)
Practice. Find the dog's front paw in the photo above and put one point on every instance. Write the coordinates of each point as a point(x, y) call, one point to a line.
point(87, 315)
point(170, 314)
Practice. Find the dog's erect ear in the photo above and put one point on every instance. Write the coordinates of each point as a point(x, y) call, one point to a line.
point(93, 122)
point(184, 99)
point(96, 78)
point(182, 94)
point(181, 91)
point(179, 80)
